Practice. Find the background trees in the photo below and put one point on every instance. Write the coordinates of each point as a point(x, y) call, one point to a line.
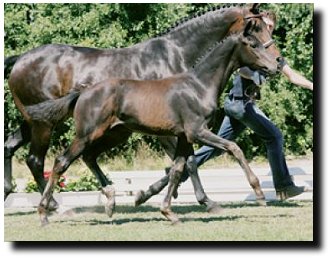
point(120, 25)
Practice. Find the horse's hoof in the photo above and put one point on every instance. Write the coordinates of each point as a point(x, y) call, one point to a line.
point(170, 215)
point(139, 198)
point(109, 192)
point(215, 209)
point(261, 202)
point(43, 216)
point(109, 208)
point(6, 194)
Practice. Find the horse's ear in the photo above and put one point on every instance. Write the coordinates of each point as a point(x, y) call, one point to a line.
point(254, 8)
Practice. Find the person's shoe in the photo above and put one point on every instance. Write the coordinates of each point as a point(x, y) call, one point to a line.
point(290, 191)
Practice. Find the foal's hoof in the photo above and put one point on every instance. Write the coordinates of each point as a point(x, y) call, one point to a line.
point(171, 216)
point(43, 216)
point(139, 198)
point(109, 192)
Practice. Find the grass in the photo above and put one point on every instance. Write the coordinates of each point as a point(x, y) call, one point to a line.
point(286, 221)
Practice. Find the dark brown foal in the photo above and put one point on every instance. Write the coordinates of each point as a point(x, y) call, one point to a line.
point(180, 106)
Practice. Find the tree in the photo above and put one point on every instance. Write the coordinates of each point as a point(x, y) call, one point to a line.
point(119, 25)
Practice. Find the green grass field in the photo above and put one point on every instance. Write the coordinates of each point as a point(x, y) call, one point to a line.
point(279, 221)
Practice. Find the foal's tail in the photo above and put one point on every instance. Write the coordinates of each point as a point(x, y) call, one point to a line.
point(9, 63)
point(53, 111)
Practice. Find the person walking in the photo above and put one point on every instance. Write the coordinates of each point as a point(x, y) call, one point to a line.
point(242, 111)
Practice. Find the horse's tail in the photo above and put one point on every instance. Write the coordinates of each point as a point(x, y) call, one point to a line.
point(9, 63)
point(53, 111)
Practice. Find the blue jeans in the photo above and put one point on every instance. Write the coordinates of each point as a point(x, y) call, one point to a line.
point(256, 120)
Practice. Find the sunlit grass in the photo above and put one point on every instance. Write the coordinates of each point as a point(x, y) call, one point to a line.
point(287, 221)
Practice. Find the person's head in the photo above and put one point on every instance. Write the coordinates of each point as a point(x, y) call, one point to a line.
point(270, 19)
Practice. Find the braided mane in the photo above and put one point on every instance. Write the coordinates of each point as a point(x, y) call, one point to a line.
point(198, 14)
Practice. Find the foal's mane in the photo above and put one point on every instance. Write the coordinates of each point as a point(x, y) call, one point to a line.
point(199, 14)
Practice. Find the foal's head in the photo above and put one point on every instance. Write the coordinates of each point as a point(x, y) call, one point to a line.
point(252, 53)
point(261, 25)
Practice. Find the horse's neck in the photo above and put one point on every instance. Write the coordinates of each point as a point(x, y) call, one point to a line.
point(215, 69)
point(197, 35)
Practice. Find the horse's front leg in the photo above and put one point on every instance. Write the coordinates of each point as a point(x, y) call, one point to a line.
point(208, 138)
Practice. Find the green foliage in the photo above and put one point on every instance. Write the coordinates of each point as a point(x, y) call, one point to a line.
point(119, 25)
point(31, 186)
point(87, 182)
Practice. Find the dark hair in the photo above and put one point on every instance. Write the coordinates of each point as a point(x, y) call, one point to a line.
point(271, 15)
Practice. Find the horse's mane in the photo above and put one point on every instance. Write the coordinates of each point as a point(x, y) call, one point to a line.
point(198, 14)
point(214, 46)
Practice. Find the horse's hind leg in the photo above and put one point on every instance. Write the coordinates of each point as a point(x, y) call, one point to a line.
point(61, 164)
point(40, 139)
point(20, 137)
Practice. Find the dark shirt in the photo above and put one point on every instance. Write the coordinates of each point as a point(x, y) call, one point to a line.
point(246, 88)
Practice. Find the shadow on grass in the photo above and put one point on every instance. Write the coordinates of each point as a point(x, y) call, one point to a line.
point(180, 209)
point(183, 209)
point(122, 221)
point(21, 213)
point(207, 219)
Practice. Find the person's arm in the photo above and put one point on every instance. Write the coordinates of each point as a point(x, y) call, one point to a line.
point(295, 78)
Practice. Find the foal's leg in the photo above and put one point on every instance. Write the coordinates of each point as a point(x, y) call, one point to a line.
point(169, 144)
point(112, 139)
point(183, 150)
point(208, 138)
point(61, 164)
point(175, 175)
point(202, 198)
point(40, 139)
point(20, 137)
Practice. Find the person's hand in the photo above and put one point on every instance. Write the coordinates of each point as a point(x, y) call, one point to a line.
point(258, 79)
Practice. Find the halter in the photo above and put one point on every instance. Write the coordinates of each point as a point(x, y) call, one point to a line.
point(268, 43)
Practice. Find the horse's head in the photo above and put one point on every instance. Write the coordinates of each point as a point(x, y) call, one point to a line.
point(260, 26)
point(252, 53)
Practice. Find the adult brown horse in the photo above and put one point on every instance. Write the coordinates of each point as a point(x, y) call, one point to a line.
point(181, 105)
point(50, 72)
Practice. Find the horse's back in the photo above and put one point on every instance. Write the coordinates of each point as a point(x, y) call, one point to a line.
point(47, 72)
